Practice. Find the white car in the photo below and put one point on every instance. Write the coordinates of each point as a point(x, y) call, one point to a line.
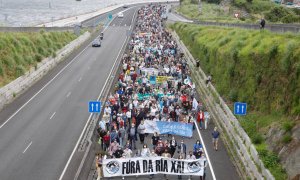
point(120, 15)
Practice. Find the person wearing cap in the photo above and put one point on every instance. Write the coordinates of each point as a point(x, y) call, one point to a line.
point(215, 136)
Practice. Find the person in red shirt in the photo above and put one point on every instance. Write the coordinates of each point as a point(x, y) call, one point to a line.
point(106, 141)
point(200, 118)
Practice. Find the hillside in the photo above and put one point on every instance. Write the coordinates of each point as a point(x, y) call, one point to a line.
point(20, 51)
point(250, 11)
point(262, 69)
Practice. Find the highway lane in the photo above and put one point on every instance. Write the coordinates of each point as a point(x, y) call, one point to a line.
point(38, 140)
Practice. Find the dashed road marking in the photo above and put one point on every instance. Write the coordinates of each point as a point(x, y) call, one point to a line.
point(52, 115)
point(27, 147)
point(69, 93)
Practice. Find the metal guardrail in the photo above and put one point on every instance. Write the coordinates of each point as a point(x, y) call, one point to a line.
point(280, 28)
point(236, 139)
point(272, 27)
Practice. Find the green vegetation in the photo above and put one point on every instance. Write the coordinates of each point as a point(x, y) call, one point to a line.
point(250, 11)
point(210, 12)
point(20, 51)
point(257, 67)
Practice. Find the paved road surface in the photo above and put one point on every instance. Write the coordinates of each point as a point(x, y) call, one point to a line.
point(37, 142)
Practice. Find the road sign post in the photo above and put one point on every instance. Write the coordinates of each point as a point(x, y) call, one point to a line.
point(240, 108)
point(94, 106)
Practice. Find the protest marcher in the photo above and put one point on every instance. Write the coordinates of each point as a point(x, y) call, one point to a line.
point(113, 147)
point(106, 141)
point(215, 137)
point(99, 162)
point(127, 152)
point(122, 134)
point(155, 139)
point(118, 153)
point(204, 164)
point(182, 148)
point(197, 146)
point(132, 136)
point(173, 146)
point(200, 118)
point(180, 157)
point(206, 119)
point(190, 156)
point(145, 152)
point(141, 131)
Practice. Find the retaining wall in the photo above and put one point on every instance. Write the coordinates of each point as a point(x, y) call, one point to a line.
point(235, 138)
point(21, 84)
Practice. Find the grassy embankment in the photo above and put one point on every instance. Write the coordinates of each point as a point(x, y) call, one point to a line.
point(19, 51)
point(225, 13)
point(257, 67)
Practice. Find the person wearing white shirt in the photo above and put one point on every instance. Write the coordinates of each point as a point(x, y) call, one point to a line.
point(145, 152)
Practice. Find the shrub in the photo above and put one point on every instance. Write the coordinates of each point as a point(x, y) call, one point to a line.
point(1, 70)
point(20, 70)
point(38, 57)
point(257, 138)
point(287, 138)
point(233, 95)
point(288, 126)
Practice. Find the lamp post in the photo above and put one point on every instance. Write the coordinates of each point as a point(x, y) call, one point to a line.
point(199, 6)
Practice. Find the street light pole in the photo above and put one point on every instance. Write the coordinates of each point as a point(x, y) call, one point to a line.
point(199, 4)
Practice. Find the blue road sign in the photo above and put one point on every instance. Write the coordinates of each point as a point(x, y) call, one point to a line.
point(94, 107)
point(240, 108)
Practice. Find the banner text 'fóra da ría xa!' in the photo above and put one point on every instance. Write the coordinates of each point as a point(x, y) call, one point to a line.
point(154, 165)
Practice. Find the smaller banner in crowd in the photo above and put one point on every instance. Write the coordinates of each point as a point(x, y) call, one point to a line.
point(154, 165)
point(161, 79)
point(164, 127)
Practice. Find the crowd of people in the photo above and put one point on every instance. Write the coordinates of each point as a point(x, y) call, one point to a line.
point(137, 97)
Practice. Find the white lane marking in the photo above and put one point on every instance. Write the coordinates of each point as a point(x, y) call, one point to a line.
point(132, 20)
point(27, 147)
point(79, 79)
point(89, 68)
point(76, 146)
point(69, 93)
point(206, 152)
point(52, 115)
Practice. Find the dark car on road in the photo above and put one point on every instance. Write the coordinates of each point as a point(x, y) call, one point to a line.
point(96, 43)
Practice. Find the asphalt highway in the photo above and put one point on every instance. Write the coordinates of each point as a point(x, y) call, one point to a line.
point(36, 142)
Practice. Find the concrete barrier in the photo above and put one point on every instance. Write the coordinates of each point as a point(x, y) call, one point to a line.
point(34, 29)
point(10, 91)
point(238, 142)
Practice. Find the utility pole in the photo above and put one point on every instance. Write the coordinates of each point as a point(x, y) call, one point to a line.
point(199, 6)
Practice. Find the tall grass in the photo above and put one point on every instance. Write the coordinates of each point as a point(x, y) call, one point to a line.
point(20, 51)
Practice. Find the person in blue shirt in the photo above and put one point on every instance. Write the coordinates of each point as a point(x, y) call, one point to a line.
point(197, 146)
point(215, 136)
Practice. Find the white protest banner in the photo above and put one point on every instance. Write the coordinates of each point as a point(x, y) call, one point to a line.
point(153, 165)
